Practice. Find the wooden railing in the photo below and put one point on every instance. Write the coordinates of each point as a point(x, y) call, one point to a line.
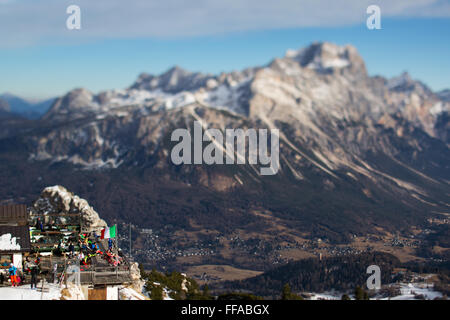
point(89, 274)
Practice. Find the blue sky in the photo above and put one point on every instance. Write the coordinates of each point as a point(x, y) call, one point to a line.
point(39, 58)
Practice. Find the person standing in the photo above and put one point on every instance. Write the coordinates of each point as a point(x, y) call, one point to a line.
point(34, 270)
point(55, 272)
point(12, 275)
point(71, 249)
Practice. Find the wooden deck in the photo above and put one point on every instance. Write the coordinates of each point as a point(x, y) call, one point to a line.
point(98, 273)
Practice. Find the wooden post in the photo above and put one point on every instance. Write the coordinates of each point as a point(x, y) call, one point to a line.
point(42, 288)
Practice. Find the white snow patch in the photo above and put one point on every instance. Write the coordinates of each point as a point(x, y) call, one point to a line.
point(410, 290)
point(325, 296)
point(8, 242)
point(438, 108)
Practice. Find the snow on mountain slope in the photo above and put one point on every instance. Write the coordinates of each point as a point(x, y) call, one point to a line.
point(172, 89)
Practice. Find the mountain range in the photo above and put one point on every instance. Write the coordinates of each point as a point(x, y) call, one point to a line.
point(359, 154)
point(23, 107)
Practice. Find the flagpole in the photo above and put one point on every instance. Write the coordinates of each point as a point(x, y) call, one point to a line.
point(130, 241)
point(117, 248)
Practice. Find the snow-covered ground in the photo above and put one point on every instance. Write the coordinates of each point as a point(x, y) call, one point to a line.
point(325, 296)
point(25, 293)
point(409, 290)
point(55, 292)
point(130, 294)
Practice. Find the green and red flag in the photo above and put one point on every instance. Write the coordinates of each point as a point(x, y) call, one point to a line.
point(109, 232)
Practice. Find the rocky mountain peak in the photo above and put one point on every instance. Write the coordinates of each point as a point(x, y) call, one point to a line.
point(405, 83)
point(326, 57)
point(74, 101)
point(174, 80)
point(78, 94)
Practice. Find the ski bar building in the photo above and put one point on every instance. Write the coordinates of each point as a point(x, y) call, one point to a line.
point(14, 235)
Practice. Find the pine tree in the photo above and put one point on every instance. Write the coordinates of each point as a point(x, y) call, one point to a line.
point(361, 294)
point(142, 270)
point(287, 294)
point(156, 293)
point(205, 291)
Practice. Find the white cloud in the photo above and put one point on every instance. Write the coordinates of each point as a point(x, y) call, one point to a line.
point(27, 22)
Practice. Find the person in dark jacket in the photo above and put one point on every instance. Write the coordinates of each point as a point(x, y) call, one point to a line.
point(71, 249)
point(34, 270)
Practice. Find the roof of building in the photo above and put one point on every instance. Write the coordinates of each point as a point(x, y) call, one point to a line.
point(13, 215)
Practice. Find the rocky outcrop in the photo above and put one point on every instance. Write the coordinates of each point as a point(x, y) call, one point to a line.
point(136, 280)
point(58, 200)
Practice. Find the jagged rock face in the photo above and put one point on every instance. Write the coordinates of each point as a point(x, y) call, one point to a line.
point(173, 81)
point(326, 84)
point(329, 58)
point(59, 200)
